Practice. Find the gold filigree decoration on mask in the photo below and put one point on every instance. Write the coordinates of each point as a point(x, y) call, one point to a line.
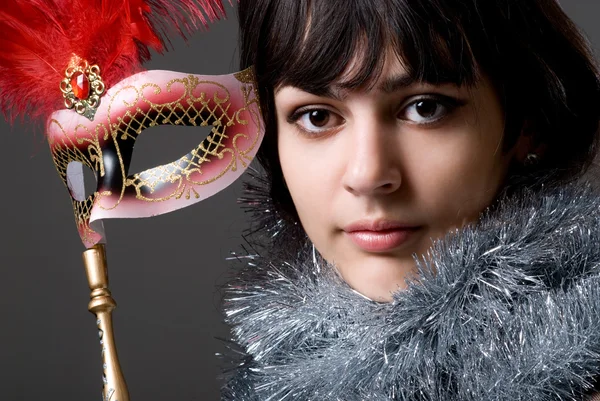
point(82, 87)
point(184, 111)
point(87, 145)
point(246, 76)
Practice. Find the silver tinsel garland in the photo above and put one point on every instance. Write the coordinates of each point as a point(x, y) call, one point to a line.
point(508, 309)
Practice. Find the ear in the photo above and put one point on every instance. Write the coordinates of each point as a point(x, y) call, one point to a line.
point(528, 142)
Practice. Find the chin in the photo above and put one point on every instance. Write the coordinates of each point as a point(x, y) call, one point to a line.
point(378, 277)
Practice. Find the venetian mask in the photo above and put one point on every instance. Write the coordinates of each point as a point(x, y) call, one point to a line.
point(101, 135)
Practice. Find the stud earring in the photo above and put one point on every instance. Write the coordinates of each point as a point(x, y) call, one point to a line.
point(531, 160)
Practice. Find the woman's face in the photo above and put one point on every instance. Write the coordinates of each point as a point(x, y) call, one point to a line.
point(377, 174)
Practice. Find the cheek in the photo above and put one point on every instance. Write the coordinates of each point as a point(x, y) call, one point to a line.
point(464, 169)
point(309, 173)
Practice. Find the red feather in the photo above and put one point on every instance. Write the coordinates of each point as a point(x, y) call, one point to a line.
point(39, 38)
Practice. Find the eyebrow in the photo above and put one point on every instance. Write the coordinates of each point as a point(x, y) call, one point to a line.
point(390, 85)
point(397, 82)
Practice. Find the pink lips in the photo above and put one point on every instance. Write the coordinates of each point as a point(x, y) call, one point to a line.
point(379, 235)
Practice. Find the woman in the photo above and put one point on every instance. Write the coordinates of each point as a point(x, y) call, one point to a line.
point(427, 237)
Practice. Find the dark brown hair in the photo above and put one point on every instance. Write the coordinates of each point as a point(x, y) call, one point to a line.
point(535, 56)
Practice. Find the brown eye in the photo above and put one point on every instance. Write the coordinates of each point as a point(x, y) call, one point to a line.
point(316, 120)
point(429, 109)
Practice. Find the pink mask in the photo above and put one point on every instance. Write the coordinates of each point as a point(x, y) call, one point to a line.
point(227, 103)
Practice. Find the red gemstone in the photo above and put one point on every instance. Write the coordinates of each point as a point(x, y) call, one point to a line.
point(80, 85)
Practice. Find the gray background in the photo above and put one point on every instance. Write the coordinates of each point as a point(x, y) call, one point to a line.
point(164, 271)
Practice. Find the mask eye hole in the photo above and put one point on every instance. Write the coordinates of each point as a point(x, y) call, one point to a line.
point(81, 181)
point(163, 144)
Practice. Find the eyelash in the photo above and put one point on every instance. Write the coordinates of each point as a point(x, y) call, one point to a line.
point(449, 103)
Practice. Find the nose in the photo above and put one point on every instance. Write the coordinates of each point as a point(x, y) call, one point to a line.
point(373, 166)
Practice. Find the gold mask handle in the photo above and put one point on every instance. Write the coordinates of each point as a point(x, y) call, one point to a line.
point(102, 305)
